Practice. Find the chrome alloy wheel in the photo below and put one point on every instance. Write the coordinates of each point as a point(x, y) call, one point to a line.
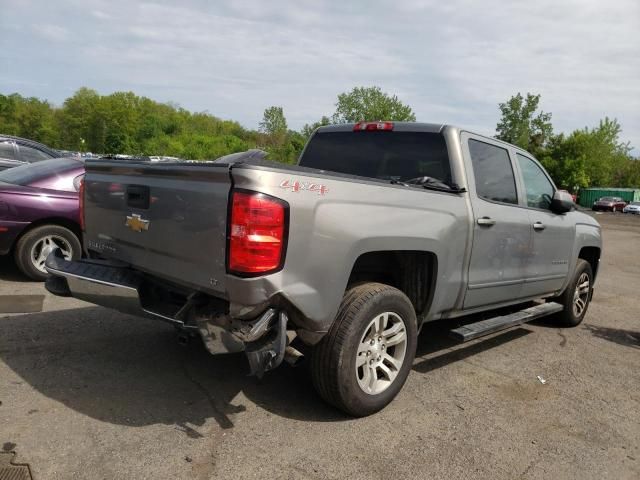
point(381, 353)
point(44, 246)
point(581, 295)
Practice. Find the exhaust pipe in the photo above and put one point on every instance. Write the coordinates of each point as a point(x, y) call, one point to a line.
point(292, 356)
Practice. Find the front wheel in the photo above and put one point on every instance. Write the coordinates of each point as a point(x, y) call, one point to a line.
point(575, 299)
point(364, 360)
point(34, 246)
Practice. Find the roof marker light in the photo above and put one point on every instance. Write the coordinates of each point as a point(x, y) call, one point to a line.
point(371, 126)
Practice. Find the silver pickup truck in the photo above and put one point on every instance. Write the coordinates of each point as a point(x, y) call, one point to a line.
point(380, 228)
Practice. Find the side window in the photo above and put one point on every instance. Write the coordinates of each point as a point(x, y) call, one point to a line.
point(31, 155)
point(8, 151)
point(493, 172)
point(538, 187)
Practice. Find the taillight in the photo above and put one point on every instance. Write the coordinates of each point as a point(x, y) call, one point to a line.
point(81, 202)
point(364, 126)
point(257, 233)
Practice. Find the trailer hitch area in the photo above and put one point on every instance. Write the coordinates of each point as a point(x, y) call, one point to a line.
point(268, 351)
point(251, 331)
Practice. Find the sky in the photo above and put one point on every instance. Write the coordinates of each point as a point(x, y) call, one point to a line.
point(451, 61)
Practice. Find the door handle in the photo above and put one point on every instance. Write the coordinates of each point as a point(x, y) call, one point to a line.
point(486, 221)
point(539, 226)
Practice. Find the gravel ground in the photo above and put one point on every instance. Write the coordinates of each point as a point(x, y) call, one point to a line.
point(89, 393)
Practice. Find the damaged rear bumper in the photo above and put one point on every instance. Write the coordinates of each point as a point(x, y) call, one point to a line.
point(264, 339)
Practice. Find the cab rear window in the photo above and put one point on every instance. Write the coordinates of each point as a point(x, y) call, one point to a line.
point(385, 155)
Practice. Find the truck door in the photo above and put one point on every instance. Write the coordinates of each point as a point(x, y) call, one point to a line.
point(553, 234)
point(501, 229)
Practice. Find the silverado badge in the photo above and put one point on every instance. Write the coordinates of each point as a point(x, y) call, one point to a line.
point(136, 223)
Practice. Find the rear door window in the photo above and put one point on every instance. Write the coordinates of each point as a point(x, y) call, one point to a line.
point(493, 172)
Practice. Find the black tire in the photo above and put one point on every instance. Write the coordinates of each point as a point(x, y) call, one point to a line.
point(333, 362)
point(27, 242)
point(568, 317)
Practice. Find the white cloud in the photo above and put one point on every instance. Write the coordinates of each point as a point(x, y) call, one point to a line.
point(53, 33)
point(451, 61)
point(101, 15)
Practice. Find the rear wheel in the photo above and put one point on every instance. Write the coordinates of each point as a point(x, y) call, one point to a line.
point(34, 246)
point(575, 299)
point(364, 360)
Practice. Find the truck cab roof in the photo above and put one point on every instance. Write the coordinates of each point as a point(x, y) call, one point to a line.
point(397, 126)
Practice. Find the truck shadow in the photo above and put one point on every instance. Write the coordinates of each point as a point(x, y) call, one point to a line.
point(436, 349)
point(131, 371)
point(627, 338)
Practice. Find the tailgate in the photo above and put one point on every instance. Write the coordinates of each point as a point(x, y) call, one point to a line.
point(168, 220)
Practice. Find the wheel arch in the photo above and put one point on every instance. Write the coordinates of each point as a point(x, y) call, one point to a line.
point(412, 272)
point(58, 221)
point(591, 255)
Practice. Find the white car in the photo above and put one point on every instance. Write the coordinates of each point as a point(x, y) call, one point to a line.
point(633, 207)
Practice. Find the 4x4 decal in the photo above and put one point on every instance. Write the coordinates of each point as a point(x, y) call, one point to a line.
point(297, 186)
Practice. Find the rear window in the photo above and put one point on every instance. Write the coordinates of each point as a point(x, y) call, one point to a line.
point(380, 154)
point(28, 174)
point(8, 151)
point(33, 155)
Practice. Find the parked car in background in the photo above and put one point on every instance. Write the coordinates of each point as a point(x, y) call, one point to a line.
point(39, 212)
point(15, 151)
point(164, 158)
point(609, 204)
point(633, 207)
point(69, 153)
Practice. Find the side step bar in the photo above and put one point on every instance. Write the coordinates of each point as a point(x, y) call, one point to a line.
point(495, 324)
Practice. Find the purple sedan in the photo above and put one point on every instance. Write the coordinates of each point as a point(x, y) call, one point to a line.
point(39, 211)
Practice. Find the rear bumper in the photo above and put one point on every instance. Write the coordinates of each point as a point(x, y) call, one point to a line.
point(122, 289)
point(105, 285)
point(118, 288)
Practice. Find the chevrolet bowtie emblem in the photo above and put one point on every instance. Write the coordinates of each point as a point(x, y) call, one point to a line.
point(136, 223)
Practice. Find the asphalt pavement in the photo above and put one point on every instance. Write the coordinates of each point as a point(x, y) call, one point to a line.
point(90, 393)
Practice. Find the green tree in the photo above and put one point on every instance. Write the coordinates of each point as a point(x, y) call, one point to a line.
point(630, 174)
point(370, 104)
point(276, 136)
point(79, 112)
point(521, 124)
point(27, 117)
point(566, 166)
point(273, 121)
point(309, 128)
point(591, 157)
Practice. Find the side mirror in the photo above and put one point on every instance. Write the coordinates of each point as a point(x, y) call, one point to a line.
point(561, 202)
